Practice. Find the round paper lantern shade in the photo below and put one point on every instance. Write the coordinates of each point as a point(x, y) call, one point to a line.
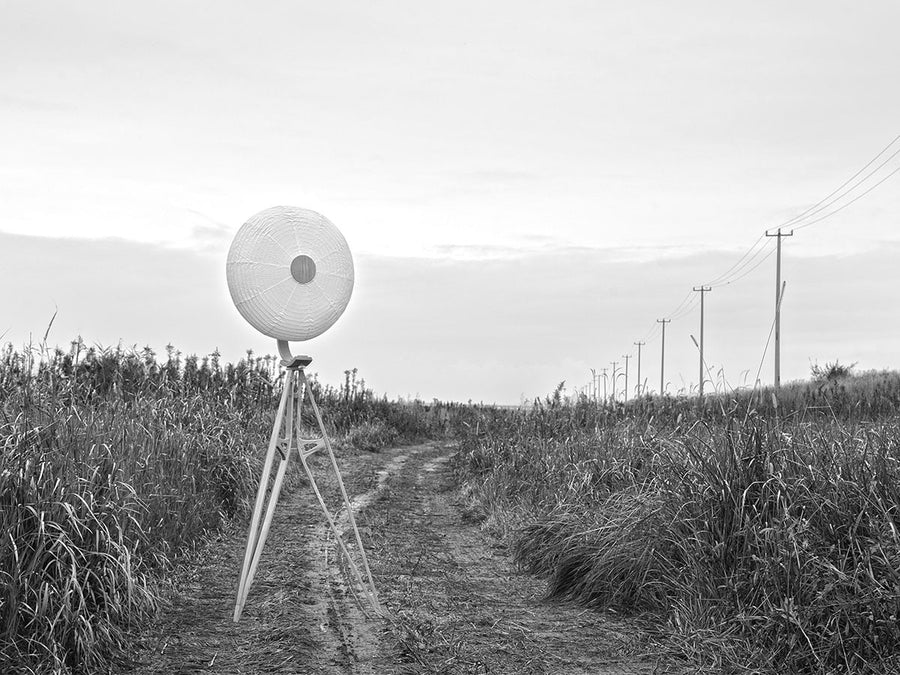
point(290, 273)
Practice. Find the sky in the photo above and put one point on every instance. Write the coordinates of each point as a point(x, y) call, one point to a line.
point(525, 186)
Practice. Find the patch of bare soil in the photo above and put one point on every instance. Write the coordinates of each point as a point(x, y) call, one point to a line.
point(460, 604)
point(454, 602)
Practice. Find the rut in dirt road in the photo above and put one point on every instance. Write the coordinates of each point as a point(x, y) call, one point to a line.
point(462, 605)
point(455, 602)
point(300, 616)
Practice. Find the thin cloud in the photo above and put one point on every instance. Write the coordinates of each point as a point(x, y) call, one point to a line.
point(492, 330)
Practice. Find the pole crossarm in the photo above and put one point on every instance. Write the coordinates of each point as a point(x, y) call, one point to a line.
point(779, 233)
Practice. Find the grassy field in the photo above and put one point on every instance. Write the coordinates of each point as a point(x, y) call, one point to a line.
point(756, 534)
point(114, 464)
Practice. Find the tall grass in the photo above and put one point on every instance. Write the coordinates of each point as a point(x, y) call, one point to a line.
point(112, 463)
point(763, 542)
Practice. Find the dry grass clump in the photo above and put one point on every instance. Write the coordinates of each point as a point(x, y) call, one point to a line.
point(368, 422)
point(371, 436)
point(69, 562)
point(110, 465)
point(761, 543)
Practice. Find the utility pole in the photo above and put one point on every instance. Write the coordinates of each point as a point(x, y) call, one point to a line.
point(779, 236)
point(703, 290)
point(626, 357)
point(614, 381)
point(662, 365)
point(603, 370)
point(640, 381)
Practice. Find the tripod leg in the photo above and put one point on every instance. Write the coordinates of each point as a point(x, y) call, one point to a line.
point(337, 535)
point(260, 498)
point(267, 522)
point(372, 592)
point(274, 494)
point(304, 385)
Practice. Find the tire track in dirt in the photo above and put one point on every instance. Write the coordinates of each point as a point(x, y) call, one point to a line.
point(300, 616)
point(461, 606)
point(454, 602)
point(355, 630)
point(196, 634)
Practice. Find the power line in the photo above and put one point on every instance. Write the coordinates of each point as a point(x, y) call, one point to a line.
point(691, 305)
point(740, 260)
point(726, 279)
point(841, 208)
point(681, 304)
point(851, 188)
point(751, 260)
point(824, 203)
point(650, 335)
point(687, 309)
point(815, 207)
point(738, 278)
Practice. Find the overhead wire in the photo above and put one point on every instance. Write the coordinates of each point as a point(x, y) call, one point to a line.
point(687, 309)
point(844, 206)
point(740, 260)
point(746, 272)
point(737, 270)
point(745, 265)
point(650, 335)
point(681, 304)
point(819, 205)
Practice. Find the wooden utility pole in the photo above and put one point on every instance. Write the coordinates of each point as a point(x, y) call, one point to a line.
point(614, 380)
point(603, 370)
point(640, 381)
point(703, 290)
point(626, 357)
point(662, 365)
point(779, 236)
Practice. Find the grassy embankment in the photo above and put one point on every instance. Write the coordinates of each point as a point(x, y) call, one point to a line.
point(762, 535)
point(112, 466)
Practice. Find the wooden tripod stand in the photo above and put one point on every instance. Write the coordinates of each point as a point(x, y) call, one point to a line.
point(286, 436)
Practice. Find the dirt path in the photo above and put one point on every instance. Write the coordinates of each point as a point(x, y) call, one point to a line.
point(455, 602)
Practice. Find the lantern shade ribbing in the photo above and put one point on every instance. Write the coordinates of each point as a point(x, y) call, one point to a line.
point(290, 273)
